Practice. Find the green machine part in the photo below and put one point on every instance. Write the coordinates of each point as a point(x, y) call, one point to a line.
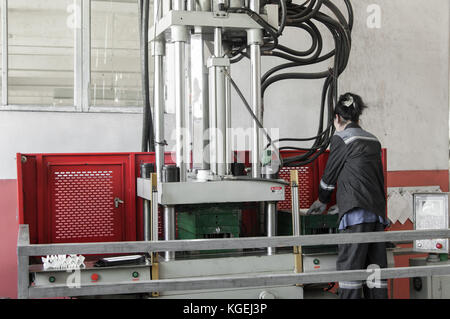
point(310, 225)
point(209, 221)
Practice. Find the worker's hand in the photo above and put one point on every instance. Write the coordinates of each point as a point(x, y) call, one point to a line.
point(317, 208)
point(334, 210)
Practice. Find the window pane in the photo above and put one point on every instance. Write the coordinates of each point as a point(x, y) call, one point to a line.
point(1, 55)
point(41, 52)
point(115, 56)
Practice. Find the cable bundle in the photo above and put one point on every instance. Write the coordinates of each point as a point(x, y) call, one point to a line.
point(305, 17)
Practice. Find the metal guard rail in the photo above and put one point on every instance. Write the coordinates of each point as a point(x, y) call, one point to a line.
point(25, 250)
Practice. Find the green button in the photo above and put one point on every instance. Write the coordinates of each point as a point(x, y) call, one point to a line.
point(316, 261)
point(52, 279)
point(135, 274)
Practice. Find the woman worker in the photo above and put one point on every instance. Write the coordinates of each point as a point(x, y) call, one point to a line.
point(355, 165)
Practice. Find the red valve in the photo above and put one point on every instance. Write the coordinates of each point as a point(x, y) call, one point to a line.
point(94, 277)
point(439, 246)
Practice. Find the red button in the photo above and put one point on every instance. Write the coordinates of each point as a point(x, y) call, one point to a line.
point(439, 246)
point(94, 277)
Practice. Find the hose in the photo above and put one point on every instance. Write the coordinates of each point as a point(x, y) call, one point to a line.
point(304, 17)
point(252, 114)
point(148, 140)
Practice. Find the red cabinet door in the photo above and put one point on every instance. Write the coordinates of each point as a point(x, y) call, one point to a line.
point(86, 202)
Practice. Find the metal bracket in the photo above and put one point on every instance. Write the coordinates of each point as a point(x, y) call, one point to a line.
point(234, 22)
point(213, 62)
point(219, 9)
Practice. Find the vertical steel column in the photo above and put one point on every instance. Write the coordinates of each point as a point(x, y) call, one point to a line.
point(5, 52)
point(212, 120)
point(146, 171)
point(179, 38)
point(158, 50)
point(200, 99)
point(189, 120)
point(179, 47)
point(228, 147)
point(170, 175)
point(188, 137)
point(255, 40)
point(221, 106)
point(169, 229)
point(154, 209)
point(159, 107)
point(218, 110)
point(213, 99)
point(191, 5)
point(271, 224)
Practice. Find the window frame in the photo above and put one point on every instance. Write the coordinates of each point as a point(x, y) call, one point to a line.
point(82, 68)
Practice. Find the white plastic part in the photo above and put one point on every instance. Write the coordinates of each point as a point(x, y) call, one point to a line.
point(63, 262)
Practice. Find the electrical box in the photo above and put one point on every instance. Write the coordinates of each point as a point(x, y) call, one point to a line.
point(431, 212)
point(429, 287)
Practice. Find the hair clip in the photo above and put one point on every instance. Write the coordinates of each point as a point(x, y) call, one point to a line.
point(349, 102)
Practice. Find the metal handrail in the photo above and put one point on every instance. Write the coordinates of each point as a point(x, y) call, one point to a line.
point(25, 249)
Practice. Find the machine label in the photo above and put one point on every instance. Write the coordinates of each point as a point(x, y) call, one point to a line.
point(276, 189)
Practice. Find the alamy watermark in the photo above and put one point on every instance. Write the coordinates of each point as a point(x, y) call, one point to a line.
point(374, 19)
point(374, 279)
point(213, 144)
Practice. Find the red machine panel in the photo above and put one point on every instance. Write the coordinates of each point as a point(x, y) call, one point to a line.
point(85, 203)
point(307, 189)
point(308, 177)
point(49, 201)
point(71, 197)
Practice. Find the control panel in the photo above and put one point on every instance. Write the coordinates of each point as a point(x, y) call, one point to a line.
point(431, 212)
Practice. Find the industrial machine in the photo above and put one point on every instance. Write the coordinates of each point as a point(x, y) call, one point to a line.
point(73, 198)
point(204, 189)
point(194, 44)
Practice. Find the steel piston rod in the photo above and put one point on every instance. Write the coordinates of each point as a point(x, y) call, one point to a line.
point(255, 40)
point(158, 51)
point(179, 39)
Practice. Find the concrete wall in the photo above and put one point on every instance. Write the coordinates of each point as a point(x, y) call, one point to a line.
point(401, 70)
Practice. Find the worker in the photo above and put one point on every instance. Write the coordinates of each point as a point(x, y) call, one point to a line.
point(355, 165)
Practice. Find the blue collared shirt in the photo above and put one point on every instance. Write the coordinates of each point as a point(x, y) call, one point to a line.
point(360, 216)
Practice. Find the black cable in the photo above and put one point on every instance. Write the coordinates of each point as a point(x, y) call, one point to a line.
point(148, 142)
point(341, 31)
point(255, 118)
point(144, 141)
point(270, 30)
point(304, 17)
point(283, 7)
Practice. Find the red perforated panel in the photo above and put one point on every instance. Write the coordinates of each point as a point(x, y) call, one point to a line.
point(82, 203)
point(307, 192)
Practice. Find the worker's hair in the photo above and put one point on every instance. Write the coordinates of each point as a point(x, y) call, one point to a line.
point(350, 107)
